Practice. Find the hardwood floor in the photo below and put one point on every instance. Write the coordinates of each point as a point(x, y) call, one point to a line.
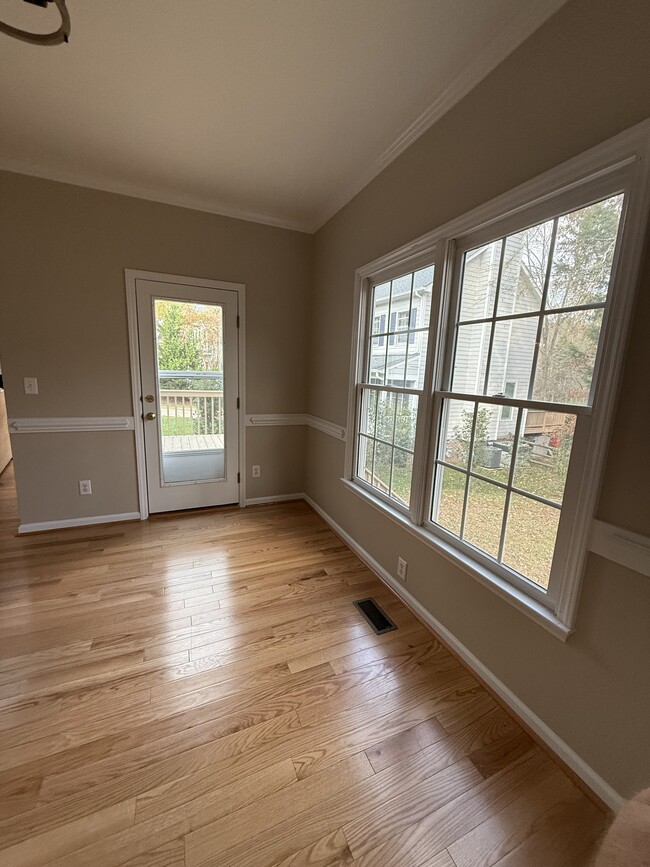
point(200, 690)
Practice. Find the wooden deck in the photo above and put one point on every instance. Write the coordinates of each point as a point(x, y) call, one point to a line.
point(199, 690)
point(204, 442)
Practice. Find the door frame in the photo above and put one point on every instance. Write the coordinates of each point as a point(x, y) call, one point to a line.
point(130, 278)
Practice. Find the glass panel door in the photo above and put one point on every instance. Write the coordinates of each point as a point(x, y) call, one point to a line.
point(189, 365)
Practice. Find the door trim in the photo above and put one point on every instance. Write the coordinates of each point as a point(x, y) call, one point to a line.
point(130, 278)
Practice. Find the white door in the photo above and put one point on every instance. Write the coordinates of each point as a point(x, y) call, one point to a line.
point(189, 377)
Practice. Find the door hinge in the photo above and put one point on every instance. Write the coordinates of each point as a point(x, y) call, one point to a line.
point(238, 478)
point(238, 321)
point(237, 403)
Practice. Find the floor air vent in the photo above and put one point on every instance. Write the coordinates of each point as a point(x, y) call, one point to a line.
point(379, 621)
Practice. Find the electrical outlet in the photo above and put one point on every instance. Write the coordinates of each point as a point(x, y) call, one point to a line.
point(402, 566)
point(256, 471)
point(31, 385)
point(85, 487)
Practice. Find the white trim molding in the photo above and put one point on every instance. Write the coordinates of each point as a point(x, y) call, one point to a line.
point(281, 419)
point(559, 747)
point(131, 275)
point(631, 550)
point(44, 526)
point(274, 498)
point(520, 27)
point(150, 194)
point(65, 425)
point(273, 419)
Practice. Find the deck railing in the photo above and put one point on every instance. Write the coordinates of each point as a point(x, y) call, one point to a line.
point(197, 410)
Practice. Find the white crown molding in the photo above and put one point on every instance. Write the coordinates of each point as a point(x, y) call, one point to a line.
point(65, 425)
point(537, 725)
point(281, 419)
point(150, 194)
point(523, 25)
point(44, 526)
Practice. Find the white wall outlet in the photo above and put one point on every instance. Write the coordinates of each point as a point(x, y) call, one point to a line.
point(402, 566)
point(85, 487)
point(256, 471)
point(31, 385)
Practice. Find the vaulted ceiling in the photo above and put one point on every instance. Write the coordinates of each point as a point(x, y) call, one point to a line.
point(273, 110)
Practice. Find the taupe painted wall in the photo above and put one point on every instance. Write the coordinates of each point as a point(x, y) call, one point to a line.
point(582, 78)
point(63, 319)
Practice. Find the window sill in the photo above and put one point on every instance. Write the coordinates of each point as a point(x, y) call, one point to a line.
point(515, 597)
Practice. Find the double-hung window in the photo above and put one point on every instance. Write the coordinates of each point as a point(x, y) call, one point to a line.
point(482, 399)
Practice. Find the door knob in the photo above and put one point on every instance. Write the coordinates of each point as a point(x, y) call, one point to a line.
point(150, 416)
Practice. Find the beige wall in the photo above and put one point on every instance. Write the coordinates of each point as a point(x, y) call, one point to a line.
point(63, 320)
point(580, 79)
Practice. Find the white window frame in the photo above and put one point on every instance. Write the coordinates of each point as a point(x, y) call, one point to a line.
point(618, 165)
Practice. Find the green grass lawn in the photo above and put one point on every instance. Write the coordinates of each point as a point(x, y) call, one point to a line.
point(175, 427)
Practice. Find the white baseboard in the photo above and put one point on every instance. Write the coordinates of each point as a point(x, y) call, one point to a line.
point(561, 749)
point(274, 498)
point(42, 526)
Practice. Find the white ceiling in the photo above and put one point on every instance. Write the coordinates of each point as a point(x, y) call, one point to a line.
point(273, 110)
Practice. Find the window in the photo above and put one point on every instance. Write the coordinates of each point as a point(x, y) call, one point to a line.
point(509, 390)
point(480, 420)
point(392, 382)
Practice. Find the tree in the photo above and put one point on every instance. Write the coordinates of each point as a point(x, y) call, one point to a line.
point(580, 272)
point(178, 347)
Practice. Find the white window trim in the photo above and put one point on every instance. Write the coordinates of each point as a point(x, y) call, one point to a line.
point(626, 155)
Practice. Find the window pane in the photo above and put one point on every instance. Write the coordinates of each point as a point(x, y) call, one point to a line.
point(525, 264)
point(380, 303)
point(480, 275)
point(493, 442)
point(400, 302)
point(368, 411)
point(472, 345)
point(450, 496)
point(456, 433)
point(422, 294)
point(484, 518)
point(396, 362)
point(402, 475)
point(385, 415)
point(584, 249)
point(530, 538)
point(544, 453)
point(377, 362)
point(417, 359)
point(406, 420)
point(383, 460)
point(567, 354)
point(364, 459)
point(513, 349)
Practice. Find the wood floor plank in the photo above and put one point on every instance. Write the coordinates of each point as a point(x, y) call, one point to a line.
point(198, 689)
